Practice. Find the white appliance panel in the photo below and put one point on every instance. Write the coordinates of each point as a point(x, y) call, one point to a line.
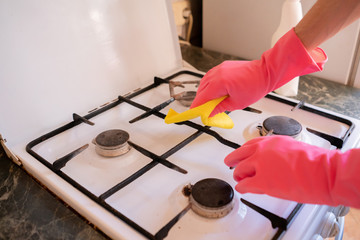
point(76, 55)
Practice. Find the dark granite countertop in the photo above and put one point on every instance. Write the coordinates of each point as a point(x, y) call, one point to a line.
point(29, 211)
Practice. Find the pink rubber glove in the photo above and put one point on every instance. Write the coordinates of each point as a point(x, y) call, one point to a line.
point(245, 82)
point(286, 168)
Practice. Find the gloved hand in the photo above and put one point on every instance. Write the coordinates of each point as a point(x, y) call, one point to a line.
point(286, 168)
point(245, 82)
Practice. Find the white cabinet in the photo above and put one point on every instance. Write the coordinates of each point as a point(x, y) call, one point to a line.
point(244, 28)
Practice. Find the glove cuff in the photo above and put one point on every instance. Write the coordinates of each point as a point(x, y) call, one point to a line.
point(289, 58)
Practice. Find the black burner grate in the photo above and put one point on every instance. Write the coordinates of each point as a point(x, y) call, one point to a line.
point(162, 233)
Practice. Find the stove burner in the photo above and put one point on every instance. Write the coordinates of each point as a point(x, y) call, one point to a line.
point(112, 143)
point(211, 198)
point(280, 125)
point(185, 97)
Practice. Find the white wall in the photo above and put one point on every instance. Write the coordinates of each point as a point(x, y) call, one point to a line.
point(244, 28)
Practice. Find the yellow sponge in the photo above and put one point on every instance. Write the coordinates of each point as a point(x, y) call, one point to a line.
point(221, 120)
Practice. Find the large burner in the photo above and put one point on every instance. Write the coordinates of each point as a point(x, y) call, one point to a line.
point(211, 198)
point(112, 143)
point(281, 125)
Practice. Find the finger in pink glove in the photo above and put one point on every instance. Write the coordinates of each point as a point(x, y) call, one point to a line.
point(245, 82)
point(282, 167)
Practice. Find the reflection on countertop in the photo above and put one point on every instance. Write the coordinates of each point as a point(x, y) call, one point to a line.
point(29, 211)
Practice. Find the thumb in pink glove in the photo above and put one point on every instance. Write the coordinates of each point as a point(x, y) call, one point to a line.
point(282, 167)
point(245, 82)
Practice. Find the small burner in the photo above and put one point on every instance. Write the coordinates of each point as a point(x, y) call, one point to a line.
point(185, 97)
point(211, 198)
point(280, 125)
point(112, 143)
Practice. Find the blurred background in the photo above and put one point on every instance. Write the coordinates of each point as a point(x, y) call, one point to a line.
point(244, 29)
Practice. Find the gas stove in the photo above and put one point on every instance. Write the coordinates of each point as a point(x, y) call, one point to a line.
point(93, 132)
point(150, 189)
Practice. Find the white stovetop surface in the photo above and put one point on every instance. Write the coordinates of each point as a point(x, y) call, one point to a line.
point(156, 197)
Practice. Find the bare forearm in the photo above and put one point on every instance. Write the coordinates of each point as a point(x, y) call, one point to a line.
point(325, 19)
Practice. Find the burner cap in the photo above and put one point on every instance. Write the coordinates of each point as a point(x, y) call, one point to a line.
point(281, 125)
point(112, 138)
point(212, 198)
point(112, 143)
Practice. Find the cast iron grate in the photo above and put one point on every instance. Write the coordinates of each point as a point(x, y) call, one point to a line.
point(280, 223)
